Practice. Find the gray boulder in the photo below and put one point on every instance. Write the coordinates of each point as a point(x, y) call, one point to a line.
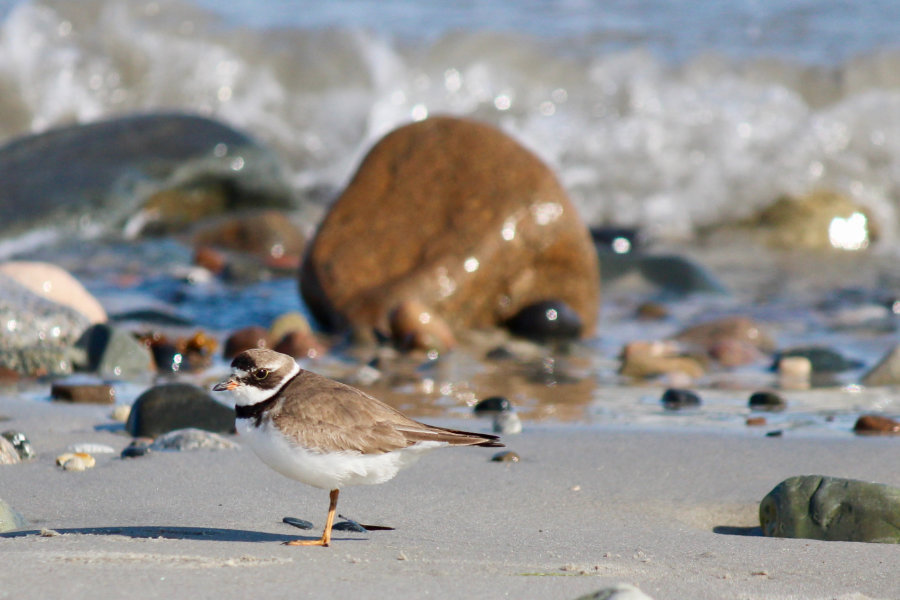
point(828, 508)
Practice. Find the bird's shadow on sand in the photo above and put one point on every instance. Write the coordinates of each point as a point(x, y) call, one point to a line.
point(208, 534)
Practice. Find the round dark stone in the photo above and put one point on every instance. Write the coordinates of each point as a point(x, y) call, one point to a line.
point(171, 406)
point(134, 450)
point(767, 401)
point(298, 523)
point(823, 360)
point(491, 405)
point(549, 320)
point(676, 399)
point(499, 353)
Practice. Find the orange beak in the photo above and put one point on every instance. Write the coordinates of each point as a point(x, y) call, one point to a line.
point(227, 385)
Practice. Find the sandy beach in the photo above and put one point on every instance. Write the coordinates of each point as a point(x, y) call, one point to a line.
point(673, 513)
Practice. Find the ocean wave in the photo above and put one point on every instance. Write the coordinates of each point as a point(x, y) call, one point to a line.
point(637, 140)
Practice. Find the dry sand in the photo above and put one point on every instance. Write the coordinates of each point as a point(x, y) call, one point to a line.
point(673, 513)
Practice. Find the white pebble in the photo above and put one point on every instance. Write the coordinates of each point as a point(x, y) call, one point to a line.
point(507, 423)
point(120, 413)
point(89, 448)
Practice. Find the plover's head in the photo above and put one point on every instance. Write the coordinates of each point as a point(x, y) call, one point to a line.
point(257, 375)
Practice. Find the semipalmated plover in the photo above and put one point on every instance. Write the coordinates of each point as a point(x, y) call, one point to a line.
point(325, 433)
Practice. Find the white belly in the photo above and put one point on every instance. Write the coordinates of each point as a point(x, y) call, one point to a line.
point(327, 471)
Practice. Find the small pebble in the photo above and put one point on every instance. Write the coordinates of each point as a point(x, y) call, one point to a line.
point(795, 366)
point(120, 413)
point(192, 439)
point(676, 399)
point(876, 425)
point(48, 533)
point(137, 447)
point(298, 523)
point(774, 433)
point(349, 525)
point(769, 401)
point(491, 405)
point(8, 453)
point(756, 421)
point(88, 448)
point(247, 338)
point(79, 461)
point(506, 456)
point(507, 423)
point(545, 321)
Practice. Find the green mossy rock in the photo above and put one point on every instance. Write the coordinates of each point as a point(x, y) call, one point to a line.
point(828, 508)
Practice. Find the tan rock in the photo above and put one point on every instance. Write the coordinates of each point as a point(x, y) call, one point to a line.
point(458, 216)
point(819, 220)
point(886, 372)
point(56, 285)
point(415, 326)
point(650, 359)
point(267, 234)
point(713, 333)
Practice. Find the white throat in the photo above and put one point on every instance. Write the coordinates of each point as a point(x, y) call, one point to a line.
point(248, 395)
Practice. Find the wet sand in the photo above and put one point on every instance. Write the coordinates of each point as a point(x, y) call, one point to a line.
point(671, 512)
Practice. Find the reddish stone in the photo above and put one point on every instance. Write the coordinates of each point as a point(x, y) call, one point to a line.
point(458, 216)
point(269, 235)
point(300, 344)
point(210, 259)
point(246, 339)
point(876, 424)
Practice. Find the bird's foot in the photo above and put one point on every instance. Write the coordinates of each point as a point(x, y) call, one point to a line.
point(319, 542)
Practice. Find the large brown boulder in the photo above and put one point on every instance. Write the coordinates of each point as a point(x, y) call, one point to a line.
point(457, 216)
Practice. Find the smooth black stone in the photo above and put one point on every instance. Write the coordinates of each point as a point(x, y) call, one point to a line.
point(548, 320)
point(298, 523)
point(171, 406)
point(675, 399)
point(167, 358)
point(135, 451)
point(491, 405)
point(823, 360)
point(775, 433)
point(766, 401)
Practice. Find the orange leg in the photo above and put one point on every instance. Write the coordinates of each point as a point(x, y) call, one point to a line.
point(326, 534)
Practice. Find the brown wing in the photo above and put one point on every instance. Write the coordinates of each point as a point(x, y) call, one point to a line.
point(327, 415)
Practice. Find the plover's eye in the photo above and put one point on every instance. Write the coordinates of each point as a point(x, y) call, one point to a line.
point(260, 374)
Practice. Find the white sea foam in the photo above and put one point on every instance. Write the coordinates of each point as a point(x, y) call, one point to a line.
point(636, 138)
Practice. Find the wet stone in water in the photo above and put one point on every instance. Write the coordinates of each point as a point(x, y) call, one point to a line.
point(506, 456)
point(298, 523)
point(87, 393)
point(20, 443)
point(550, 320)
point(876, 425)
point(769, 401)
point(676, 399)
point(491, 405)
point(822, 360)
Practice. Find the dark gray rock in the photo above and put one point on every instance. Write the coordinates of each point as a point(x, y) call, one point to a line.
point(97, 172)
point(114, 353)
point(298, 523)
point(192, 438)
point(886, 372)
point(164, 408)
point(545, 321)
point(769, 401)
point(828, 508)
point(823, 360)
point(492, 405)
point(677, 399)
point(38, 334)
